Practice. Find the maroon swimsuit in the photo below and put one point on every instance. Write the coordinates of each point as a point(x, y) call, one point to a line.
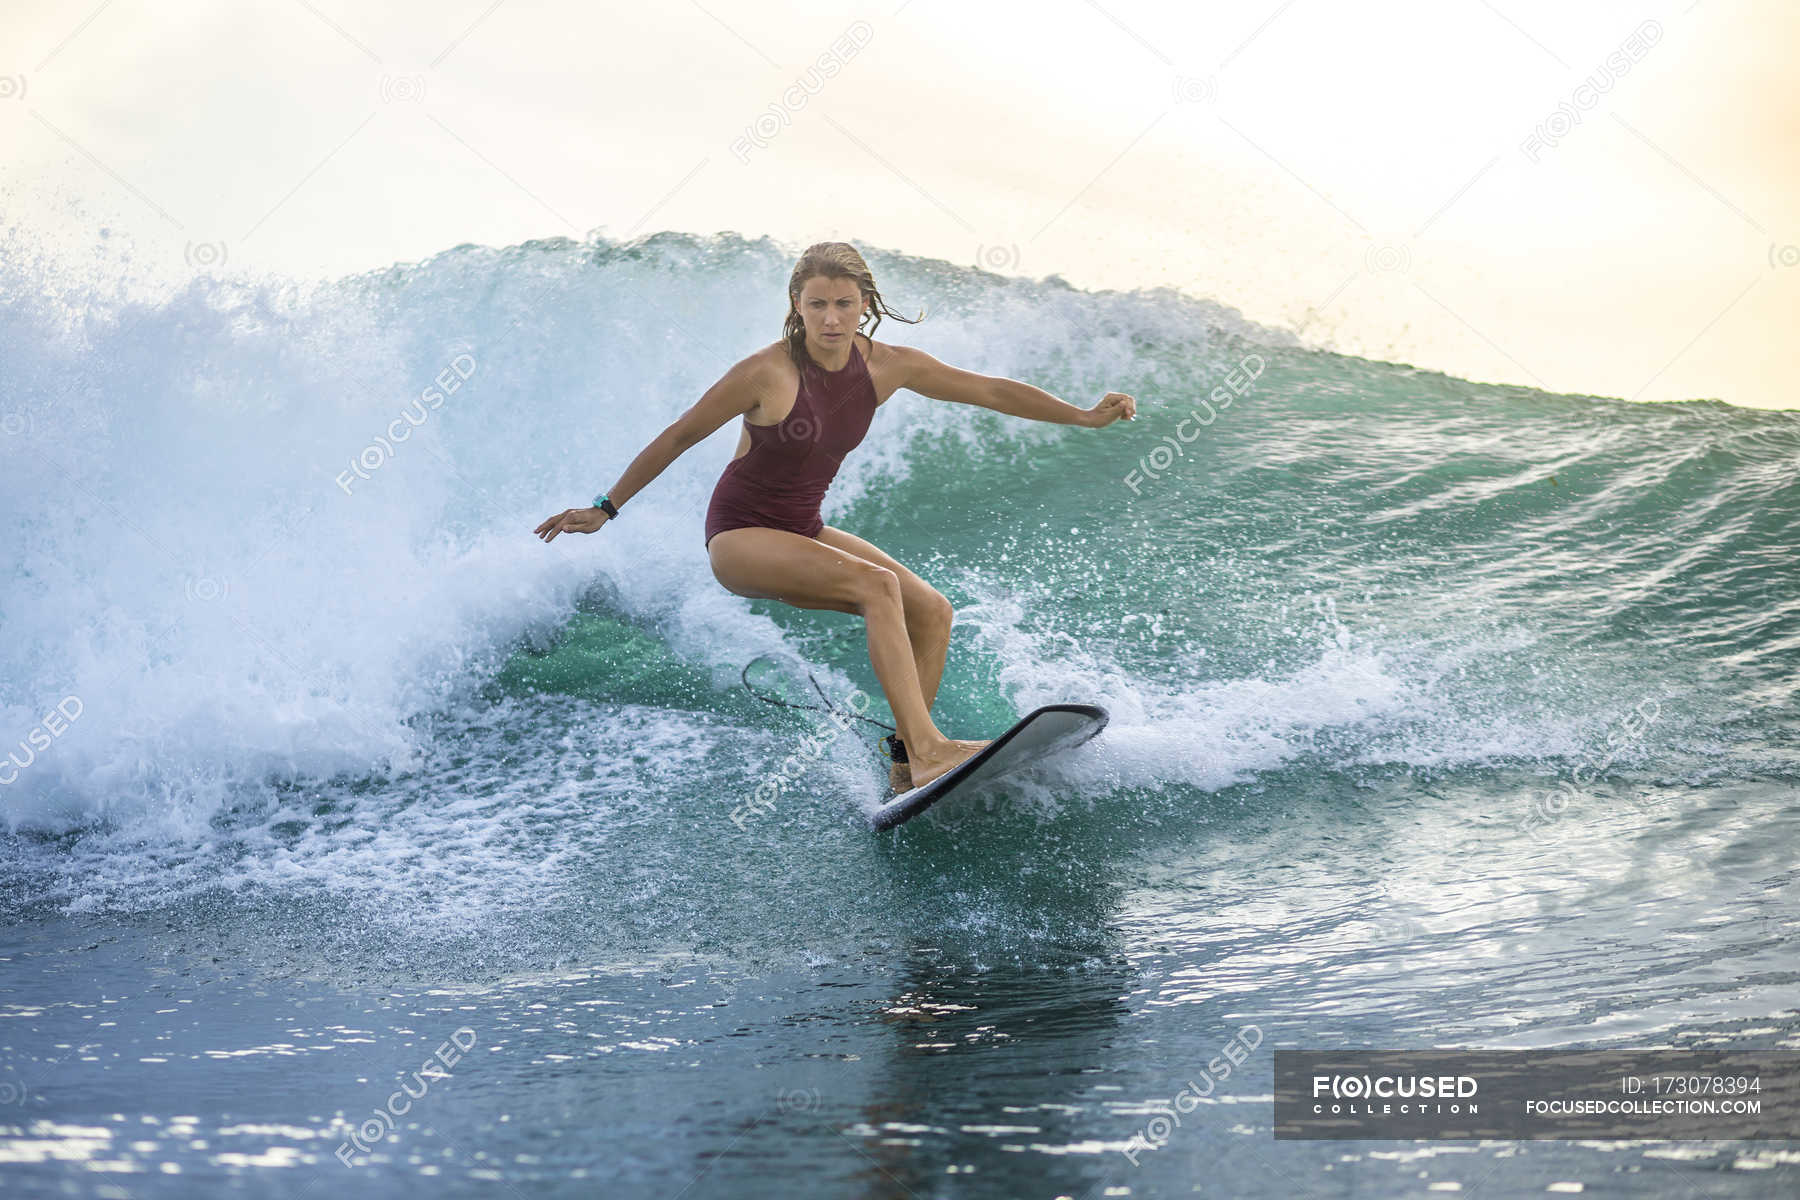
point(779, 482)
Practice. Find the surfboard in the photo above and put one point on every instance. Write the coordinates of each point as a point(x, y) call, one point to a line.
point(1039, 734)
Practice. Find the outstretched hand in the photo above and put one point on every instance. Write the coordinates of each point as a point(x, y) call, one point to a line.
point(572, 520)
point(1112, 406)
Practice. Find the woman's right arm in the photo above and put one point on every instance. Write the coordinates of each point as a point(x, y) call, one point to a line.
point(735, 394)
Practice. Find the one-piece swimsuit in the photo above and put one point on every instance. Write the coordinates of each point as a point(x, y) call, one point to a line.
point(781, 480)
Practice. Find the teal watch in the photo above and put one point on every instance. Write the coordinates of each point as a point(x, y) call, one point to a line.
point(605, 505)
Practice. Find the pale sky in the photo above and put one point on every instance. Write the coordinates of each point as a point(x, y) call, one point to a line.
point(1426, 181)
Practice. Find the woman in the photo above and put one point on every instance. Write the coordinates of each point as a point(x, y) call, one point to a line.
point(807, 401)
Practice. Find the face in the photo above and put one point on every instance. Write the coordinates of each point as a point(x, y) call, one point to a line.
point(830, 309)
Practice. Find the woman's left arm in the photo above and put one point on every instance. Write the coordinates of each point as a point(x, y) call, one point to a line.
point(940, 381)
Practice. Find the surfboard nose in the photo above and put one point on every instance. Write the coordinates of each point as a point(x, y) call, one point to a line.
point(1042, 732)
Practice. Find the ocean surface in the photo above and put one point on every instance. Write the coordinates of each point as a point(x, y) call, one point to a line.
point(1442, 715)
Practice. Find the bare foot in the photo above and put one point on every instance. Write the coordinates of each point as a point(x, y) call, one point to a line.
point(899, 779)
point(926, 768)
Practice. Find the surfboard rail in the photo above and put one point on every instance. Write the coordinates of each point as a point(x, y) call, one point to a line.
point(1042, 732)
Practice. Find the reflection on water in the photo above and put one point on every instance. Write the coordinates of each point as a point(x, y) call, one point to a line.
point(1021, 1042)
point(1063, 1032)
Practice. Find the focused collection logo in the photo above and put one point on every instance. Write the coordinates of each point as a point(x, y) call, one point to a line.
point(1341, 1094)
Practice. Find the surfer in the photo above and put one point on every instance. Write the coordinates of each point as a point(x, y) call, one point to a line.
point(806, 401)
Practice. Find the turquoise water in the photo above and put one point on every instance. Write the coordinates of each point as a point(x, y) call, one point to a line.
point(1443, 714)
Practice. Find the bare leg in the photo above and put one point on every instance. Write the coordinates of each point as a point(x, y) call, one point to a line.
point(928, 620)
point(776, 564)
point(928, 613)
